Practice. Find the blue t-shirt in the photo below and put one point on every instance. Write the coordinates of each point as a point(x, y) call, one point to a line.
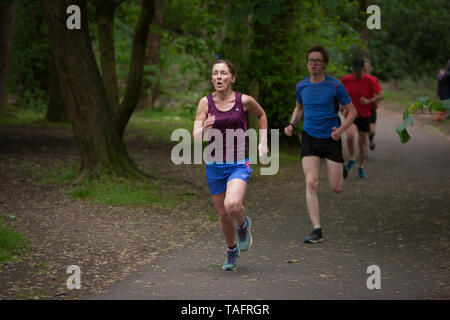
point(321, 105)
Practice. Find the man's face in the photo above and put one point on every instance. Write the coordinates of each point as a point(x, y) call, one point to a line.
point(316, 64)
point(367, 68)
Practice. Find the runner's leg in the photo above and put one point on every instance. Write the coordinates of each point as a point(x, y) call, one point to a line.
point(362, 142)
point(351, 133)
point(335, 177)
point(225, 220)
point(373, 121)
point(234, 198)
point(372, 130)
point(311, 165)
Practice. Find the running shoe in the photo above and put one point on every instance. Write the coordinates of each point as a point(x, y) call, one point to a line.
point(350, 164)
point(230, 262)
point(244, 235)
point(315, 236)
point(371, 144)
point(361, 172)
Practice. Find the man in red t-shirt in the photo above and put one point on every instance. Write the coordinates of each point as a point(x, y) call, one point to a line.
point(364, 92)
point(373, 115)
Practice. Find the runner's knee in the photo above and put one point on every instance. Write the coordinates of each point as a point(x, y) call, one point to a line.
point(336, 187)
point(362, 143)
point(311, 185)
point(232, 207)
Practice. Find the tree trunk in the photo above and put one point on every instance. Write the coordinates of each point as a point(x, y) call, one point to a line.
point(101, 148)
point(7, 17)
point(364, 51)
point(104, 11)
point(134, 84)
point(56, 110)
point(153, 57)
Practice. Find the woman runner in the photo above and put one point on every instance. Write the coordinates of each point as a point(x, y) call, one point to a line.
point(229, 174)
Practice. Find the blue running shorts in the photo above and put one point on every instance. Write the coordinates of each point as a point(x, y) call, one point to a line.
point(218, 174)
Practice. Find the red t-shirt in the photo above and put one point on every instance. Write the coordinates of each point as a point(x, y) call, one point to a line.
point(374, 105)
point(367, 87)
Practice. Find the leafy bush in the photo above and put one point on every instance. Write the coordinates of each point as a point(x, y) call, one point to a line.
point(30, 58)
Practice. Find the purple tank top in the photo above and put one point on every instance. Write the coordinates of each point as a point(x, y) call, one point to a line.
point(235, 120)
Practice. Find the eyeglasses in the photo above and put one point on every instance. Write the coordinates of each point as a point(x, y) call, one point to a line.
point(314, 61)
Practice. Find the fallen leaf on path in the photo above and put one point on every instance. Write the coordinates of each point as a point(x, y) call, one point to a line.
point(292, 261)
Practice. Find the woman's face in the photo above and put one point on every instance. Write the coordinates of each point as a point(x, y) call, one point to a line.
point(222, 78)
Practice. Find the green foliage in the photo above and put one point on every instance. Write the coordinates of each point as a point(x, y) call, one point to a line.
point(413, 40)
point(404, 91)
point(125, 19)
point(20, 116)
point(269, 47)
point(265, 39)
point(423, 105)
point(29, 66)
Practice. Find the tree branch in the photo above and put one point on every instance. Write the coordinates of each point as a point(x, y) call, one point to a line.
point(134, 84)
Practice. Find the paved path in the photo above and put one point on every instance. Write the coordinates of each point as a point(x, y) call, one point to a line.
point(397, 218)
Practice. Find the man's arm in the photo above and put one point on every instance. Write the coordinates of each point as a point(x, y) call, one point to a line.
point(377, 98)
point(351, 116)
point(378, 94)
point(297, 115)
point(366, 101)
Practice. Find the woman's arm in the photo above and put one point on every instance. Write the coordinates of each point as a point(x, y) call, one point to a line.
point(203, 121)
point(253, 107)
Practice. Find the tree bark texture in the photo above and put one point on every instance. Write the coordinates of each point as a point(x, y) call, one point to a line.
point(100, 147)
point(7, 17)
point(364, 51)
point(134, 84)
point(56, 110)
point(104, 11)
point(153, 56)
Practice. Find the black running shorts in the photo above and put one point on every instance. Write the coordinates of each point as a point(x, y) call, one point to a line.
point(363, 124)
point(323, 148)
point(373, 116)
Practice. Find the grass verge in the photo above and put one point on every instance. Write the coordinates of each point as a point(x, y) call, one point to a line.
point(12, 243)
point(113, 191)
point(123, 192)
point(405, 92)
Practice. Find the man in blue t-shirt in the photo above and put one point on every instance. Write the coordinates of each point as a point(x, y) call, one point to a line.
point(318, 99)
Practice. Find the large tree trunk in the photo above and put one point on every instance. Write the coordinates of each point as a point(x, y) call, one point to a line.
point(364, 51)
point(56, 110)
point(134, 84)
point(153, 57)
point(101, 148)
point(7, 16)
point(104, 11)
